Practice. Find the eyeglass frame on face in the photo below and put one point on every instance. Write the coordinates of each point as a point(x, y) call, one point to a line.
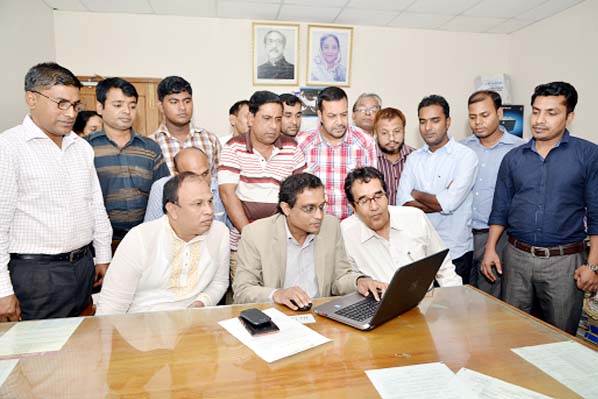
point(77, 106)
point(363, 201)
point(311, 209)
point(371, 110)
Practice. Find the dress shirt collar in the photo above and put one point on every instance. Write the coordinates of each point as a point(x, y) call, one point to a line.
point(506, 138)
point(395, 224)
point(32, 132)
point(531, 144)
point(448, 147)
point(175, 237)
point(403, 151)
point(163, 130)
point(247, 139)
point(134, 136)
point(308, 239)
point(347, 138)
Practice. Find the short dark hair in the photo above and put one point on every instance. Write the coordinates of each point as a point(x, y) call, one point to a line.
point(435, 99)
point(236, 107)
point(290, 99)
point(114, 83)
point(173, 85)
point(557, 89)
point(81, 121)
point(262, 97)
point(331, 93)
point(364, 174)
point(481, 95)
point(49, 74)
point(295, 185)
point(172, 187)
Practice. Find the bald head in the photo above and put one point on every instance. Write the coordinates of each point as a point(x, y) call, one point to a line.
point(193, 160)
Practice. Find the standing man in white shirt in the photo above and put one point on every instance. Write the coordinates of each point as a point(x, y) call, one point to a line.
point(491, 142)
point(381, 238)
point(51, 206)
point(438, 179)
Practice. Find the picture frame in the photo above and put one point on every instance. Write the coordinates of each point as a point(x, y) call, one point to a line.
point(275, 54)
point(329, 55)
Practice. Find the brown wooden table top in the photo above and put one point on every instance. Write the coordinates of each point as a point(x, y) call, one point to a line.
point(186, 354)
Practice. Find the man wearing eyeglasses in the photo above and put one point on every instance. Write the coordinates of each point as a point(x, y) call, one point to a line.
point(51, 206)
point(381, 238)
point(364, 111)
point(297, 254)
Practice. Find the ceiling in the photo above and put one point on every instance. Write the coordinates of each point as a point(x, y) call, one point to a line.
point(479, 16)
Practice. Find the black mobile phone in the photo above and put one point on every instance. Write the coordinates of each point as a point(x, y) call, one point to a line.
point(255, 317)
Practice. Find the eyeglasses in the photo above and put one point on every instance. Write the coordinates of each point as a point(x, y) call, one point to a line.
point(364, 110)
point(63, 105)
point(363, 201)
point(311, 209)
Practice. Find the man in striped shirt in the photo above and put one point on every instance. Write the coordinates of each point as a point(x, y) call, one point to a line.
point(389, 131)
point(253, 165)
point(176, 131)
point(127, 162)
point(334, 148)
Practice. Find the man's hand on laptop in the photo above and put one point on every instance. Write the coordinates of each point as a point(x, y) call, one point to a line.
point(284, 297)
point(365, 285)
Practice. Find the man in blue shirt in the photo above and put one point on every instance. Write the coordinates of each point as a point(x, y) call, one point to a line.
point(543, 191)
point(490, 141)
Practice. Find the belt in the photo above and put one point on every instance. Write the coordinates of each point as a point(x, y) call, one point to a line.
point(71, 257)
point(542, 252)
point(479, 231)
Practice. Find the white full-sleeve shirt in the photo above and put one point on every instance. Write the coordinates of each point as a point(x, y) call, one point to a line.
point(50, 198)
point(412, 237)
point(153, 269)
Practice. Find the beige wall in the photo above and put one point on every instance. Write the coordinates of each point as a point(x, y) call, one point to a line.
point(401, 65)
point(27, 32)
point(563, 47)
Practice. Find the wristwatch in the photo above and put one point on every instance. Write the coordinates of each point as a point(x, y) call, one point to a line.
point(592, 267)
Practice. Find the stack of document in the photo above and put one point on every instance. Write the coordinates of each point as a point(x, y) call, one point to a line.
point(292, 338)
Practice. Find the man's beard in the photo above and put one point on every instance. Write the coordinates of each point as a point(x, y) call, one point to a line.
point(391, 152)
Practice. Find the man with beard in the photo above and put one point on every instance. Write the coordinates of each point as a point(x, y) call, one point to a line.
point(491, 142)
point(389, 131)
point(438, 179)
point(277, 67)
point(292, 111)
point(51, 206)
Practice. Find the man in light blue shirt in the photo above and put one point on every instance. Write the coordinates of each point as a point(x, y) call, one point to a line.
point(438, 179)
point(190, 159)
point(491, 142)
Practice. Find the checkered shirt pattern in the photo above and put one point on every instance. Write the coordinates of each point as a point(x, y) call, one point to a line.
point(332, 163)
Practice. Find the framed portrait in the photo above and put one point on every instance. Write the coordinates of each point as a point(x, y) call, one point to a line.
point(329, 52)
point(275, 54)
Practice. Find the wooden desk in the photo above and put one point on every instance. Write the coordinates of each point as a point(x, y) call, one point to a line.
point(186, 354)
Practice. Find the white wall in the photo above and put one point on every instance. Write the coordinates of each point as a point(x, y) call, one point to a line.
point(27, 32)
point(402, 65)
point(563, 47)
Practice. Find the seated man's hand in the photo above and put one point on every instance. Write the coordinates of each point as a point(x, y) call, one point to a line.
point(10, 309)
point(365, 285)
point(284, 296)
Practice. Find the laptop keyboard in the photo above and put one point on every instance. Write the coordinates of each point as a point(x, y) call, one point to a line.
point(361, 310)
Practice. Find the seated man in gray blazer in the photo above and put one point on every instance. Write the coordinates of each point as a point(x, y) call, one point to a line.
point(297, 254)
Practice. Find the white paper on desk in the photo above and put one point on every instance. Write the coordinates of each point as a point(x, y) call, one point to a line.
point(570, 363)
point(292, 338)
point(425, 381)
point(38, 336)
point(485, 387)
point(6, 367)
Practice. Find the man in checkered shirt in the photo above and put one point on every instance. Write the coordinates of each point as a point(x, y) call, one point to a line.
point(176, 131)
point(334, 148)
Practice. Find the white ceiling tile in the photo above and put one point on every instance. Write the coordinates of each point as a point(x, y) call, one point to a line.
point(420, 21)
point(548, 9)
point(244, 10)
point(443, 7)
point(502, 8)
point(129, 6)
point(510, 26)
point(395, 5)
point(471, 24)
point(317, 3)
point(204, 8)
point(66, 5)
point(308, 14)
point(355, 16)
